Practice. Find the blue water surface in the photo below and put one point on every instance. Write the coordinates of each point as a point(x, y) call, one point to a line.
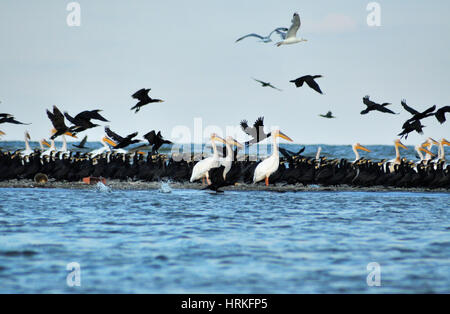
point(190, 241)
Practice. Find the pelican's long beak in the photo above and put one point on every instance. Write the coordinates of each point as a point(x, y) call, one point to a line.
point(44, 142)
point(426, 151)
point(282, 135)
point(160, 100)
point(218, 138)
point(70, 134)
point(401, 145)
point(445, 142)
point(53, 131)
point(141, 153)
point(434, 141)
point(2, 133)
point(236, 143)
point(109, 141)
point(358, 146)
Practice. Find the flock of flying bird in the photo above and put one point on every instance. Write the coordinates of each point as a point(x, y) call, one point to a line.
point(220, 171)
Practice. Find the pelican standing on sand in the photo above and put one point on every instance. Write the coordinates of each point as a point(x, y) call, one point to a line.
point(270, 165)
point(200, 170)
point(291, 36)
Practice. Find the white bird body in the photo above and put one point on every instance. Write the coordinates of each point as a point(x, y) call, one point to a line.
point(202, 167)
point(49, 151)
point(101, 150)
point(27, 151)
point(291, 36)
point(269, 165)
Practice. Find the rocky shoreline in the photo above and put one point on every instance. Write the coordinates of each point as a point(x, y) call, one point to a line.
point(142, 185)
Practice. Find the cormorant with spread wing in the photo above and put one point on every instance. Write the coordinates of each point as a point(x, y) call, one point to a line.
point(310, 80)
point(60, 126)
point(144, 99)
point(82, 121)
point(373, 106)
point(267, 84)
point(82, 143)
point(156, 140)
point(118, 141)
point(9, 118)
point(256, 132)
point(411, 126)
point(416, 114)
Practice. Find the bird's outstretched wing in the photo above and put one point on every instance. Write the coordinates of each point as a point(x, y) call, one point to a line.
point(292, 32)
point(116, 137)
point(280, 31)
point(244, 125)
point(90, 114)
point(429, 111)
point(83, 141)
point(57, 118)
point(150, 137)
point(313, 84)
point(440, 114)
point(250, 35)
point(262, 82)
point(130, 136)
point(259, 122)
point(408, 108)
point(141, 94)
point(270, 85)
point(70, 118)
point(384, 109)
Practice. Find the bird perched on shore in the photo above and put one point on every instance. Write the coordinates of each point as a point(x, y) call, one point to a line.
point(266, 84)
point(156, 140)
point(57, 119)
point(82, 143)
point(144, 99)
point(373, 106)
point(256, 132)
point(82, 121)
point(291, 36)
point(310, 80)
point(266, 39)
point(118, 141)
point(328, 115)
point(9, 118)
point(440, 114)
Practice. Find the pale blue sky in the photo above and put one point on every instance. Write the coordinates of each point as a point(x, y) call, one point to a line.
point(185, 52)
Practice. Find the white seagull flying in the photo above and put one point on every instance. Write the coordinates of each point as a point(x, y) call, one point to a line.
point(291, 36)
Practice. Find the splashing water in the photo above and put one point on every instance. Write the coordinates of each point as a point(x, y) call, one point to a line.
point(165, 187)
point(100, 187)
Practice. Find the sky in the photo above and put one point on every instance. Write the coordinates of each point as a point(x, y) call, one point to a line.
point(185, 51)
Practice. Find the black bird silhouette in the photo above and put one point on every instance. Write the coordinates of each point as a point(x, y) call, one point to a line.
point(256, 132)
point(440, 114)
point(310, 80)
point(82, 121)
point(120, 141)
point(373, 106)
point(266, 84)
point(156, 140)
point(82, 143)
point(9, 118)
point(328, 115)
point(416, 114)
point(411, 126)
point(144, 99)
point(60, 126)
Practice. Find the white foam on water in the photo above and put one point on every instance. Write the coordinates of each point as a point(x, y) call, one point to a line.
point(100, 187)
point(165, 188)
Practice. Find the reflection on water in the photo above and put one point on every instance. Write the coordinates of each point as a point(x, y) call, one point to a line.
point(236, 242)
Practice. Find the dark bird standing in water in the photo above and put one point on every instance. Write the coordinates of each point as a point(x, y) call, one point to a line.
point(60, 126)
point(82, 143)
point(266, 84)
point(9, 118)
point(144, 99)
point(440, 114)
point(82, 121)
point(119, 141)
point(373, 106)
point(310, 80)
point(156, 140)
point(328, 115)
point(257, 131)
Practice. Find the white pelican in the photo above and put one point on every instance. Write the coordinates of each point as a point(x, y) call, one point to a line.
point(266, 39)
point(429, 145)
point(2, 133)
point(101, 150)
point(292, 32)
point(201, 168)
point(228, 160)
point(397, 160)
point(268, 166)
point(51, 149)
point(441, 155)
point(421, 148)
point(63, 148)
point(357, 147)
point(28, 151)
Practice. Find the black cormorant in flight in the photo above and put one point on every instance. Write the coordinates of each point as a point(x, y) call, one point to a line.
point(328, 115)
point(156, 140)
point(82, 121)
point(257, 131)
point(266, 84)
point(310, 80)
point(120, 141)
point(144, 99)
point(60, 126)
point(9, 118)
point(373, 106)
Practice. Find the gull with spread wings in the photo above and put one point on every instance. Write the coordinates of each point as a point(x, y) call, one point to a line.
point(266, 39)
point(291, 36)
